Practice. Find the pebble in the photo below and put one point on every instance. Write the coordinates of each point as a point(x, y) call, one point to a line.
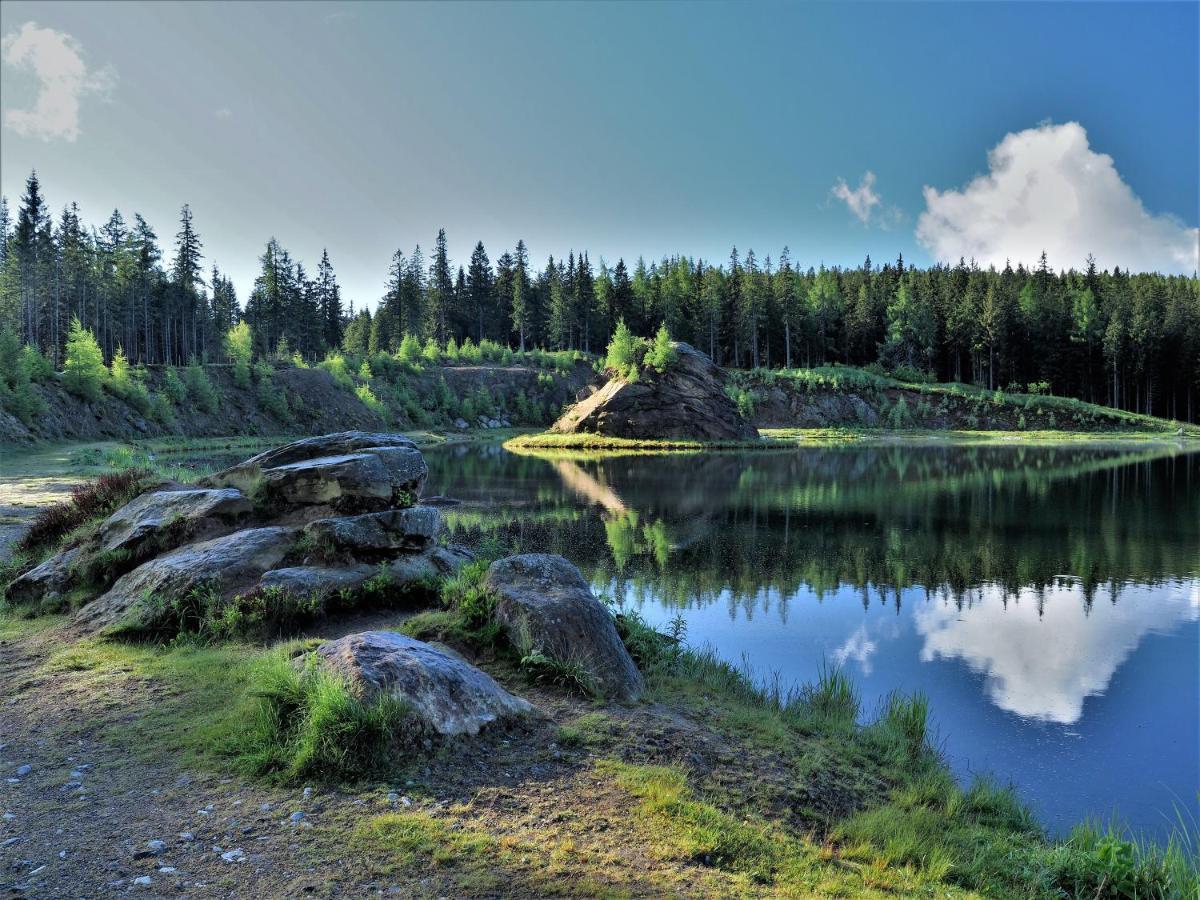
point(8, 817)
point(14, 781)
point(72, 785)
point(186, 836)
point(166, 870)
point(233, 855)
point(393, 797)
point(156, 845)
point(76, 774)
point(62, 854)
point(9, 842)
point(296, 816)
point(307, 792)
point(24, 770)
point(143, 880)
point(407, 801)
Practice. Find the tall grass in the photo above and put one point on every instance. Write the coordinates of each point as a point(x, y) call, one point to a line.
point(304, 722)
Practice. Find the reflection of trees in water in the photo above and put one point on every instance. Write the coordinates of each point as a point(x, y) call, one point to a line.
point(752, 530)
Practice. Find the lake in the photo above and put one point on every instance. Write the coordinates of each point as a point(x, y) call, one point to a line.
point(1045, 598)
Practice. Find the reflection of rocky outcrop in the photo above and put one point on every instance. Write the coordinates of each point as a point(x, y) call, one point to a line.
point(688, 400)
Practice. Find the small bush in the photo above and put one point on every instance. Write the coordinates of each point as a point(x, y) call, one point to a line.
point(624, 353)
point(662, 354)
point(200, 388)
point(173, 387)
point(85, 373)
point(239, 345)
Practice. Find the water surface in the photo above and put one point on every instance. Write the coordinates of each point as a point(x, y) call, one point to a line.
point(1046, 599)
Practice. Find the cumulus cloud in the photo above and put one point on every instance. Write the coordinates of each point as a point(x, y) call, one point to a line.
point(858, 647)
point(1046, 189)
point(860, 200)
point(56, 61)
point(865, 202)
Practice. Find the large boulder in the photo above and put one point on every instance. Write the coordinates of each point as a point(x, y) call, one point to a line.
point(447, 694)
point(149, 596)
point(414, 528)
point(545, 604)
point(161, 519)
point(350, 469)
point(46, 582)
point(687, 401)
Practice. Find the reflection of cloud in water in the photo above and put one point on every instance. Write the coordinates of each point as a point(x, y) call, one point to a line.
point(1042, 667)
point(858, 647)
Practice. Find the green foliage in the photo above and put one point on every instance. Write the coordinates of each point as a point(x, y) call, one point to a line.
point(239, 347)
point(662, 354)
point(624, 353)
point(84, 373)
point(336, 365)
point(302, 722)
point(19, 369)
point(35, 365)
point(370, 401)
point(200, 388)
point(270, 398)
point(173, 387)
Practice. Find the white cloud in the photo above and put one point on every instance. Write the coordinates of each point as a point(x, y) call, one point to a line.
point(1048, 190)
point(866, 203)
point(223, 113)
point(1043, 664)
point(862, 199)
point(56, 60)
point(858, 647)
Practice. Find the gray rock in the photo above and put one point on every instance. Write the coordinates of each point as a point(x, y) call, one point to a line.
point(545, 604)
point(320, 581)
point(414, 528)
point(45, 581)
point(296, 816)
point(448, 695)
point(226, 565)
point(162, 519)
point(24, 770)
point(686, 401)
point(143, 880)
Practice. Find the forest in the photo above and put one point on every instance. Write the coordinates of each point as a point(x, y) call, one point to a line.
point(1127, 339)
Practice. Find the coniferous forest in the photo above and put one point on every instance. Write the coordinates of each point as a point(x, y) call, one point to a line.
point(1126, 339)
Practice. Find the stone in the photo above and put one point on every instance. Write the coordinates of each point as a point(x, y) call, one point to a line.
point(226, 565)
point(45, 581)
point(143, 880)
point(545, 604)
point(24, 770)
point(156, 846)
point(162, 519)
point(403, 464)
point(688, 401)
point(377, 477)
point(445, 693)
point(296, 816)
point(414, 528)
point(319, 581)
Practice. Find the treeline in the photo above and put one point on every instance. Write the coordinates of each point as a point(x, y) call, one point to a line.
point(1131, 340)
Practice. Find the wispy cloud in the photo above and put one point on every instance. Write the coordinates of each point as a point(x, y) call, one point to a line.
point(223, 113)
point(56, 61)
point(1046, 189)
point(865, 203)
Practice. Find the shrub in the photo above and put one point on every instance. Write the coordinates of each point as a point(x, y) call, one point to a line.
point(624, 352)
point(200, 389)
point(431, 354)
point(239, 345)
point(273, 401)
point(335, 364)
point(369, 400)
point(173, 387)
point(662, 354)
point(409, 352)
point(35, 364)
point(84, 372)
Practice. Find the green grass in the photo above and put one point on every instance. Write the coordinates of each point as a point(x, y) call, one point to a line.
point(300, 721)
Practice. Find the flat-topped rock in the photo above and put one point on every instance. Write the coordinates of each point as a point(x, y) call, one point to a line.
point(143, 599)
point(544, 603)
point(688, 400)
point(447, 694)
point(164, 518)
point(379, 476)
point(414, 528)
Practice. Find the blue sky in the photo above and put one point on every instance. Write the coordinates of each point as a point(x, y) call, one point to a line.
point(625, 129)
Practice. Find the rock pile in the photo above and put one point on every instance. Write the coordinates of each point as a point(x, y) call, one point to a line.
point(314, 518)
point(687, 401)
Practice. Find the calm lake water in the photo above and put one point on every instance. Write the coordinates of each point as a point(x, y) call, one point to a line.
point(1046, 599)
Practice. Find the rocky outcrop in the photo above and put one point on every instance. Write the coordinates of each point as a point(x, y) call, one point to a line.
point(260, 540)
point(448, 696)
point(544, 604)
point(687, 401)
point(414, 528)
point(147, 598)
point(162, 519)
point(47, 582)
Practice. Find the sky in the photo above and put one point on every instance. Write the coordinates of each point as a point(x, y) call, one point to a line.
point(988, 131)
